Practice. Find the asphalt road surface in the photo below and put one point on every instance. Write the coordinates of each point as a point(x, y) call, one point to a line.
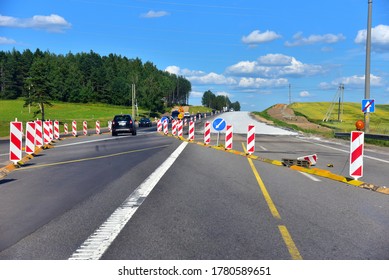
point(153, 197)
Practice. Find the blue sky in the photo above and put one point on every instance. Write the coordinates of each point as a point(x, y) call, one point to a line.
point(250, 50)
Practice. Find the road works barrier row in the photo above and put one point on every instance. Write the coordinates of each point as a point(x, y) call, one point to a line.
point(310, 160)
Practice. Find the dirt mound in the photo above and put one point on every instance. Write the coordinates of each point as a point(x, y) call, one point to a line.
point(284, 113)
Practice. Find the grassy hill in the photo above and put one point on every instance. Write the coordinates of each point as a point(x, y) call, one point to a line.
point(316, 111)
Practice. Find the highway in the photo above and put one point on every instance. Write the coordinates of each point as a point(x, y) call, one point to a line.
point(156, 197)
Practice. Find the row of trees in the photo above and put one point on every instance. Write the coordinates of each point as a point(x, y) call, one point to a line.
point(41, 77)
point(219, 102)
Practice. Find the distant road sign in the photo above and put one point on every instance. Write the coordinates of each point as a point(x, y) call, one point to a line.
point(219, 124)
point(180, 116)
point(164, 119)
point(368, 106)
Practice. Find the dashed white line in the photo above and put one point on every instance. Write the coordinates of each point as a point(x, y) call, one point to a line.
point(313, 178)
point(97, 243)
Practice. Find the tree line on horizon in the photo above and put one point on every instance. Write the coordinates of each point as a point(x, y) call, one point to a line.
point(218, 102)
point(41, 77)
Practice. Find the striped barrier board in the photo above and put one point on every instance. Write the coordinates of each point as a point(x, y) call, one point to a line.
point(207, 133)
point(30, 138)
point(46, 132)
point(85, 128)
point(38, 134)
point(356, 154)
point(56, 130)
point(229, 137)
point(191, 131)
point(74, 128)
point(15, 141)
point(251, 139)
point(97, 127)
point(179, 128)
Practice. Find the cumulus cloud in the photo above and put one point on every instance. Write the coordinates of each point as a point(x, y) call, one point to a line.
point(201, 77)
point(356, 81)
point(379, 38)
point(51, 23)
point(212, 78)
point(6, 41)
point(274, 66)
point(299, 40)
point(256, 37)
point(304, 94)
point(262, 83)
point(155, 14)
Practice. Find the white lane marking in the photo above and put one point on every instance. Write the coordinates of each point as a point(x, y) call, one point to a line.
point(345, 151)
point(313, 178)
point(263, 148)
point(97, 243)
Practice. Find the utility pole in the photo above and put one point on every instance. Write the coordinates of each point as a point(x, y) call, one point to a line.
point(133, 101)
point(367, 66)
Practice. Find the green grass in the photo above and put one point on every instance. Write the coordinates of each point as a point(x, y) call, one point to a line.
point(63, 112)
point(67, 112)
point(316, 111)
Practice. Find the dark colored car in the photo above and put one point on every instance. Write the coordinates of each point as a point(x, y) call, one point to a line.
point(123, 124)
point(145, 122)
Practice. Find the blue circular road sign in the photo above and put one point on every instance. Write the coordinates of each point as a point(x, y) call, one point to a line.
point(219, 124)
point(163, 119)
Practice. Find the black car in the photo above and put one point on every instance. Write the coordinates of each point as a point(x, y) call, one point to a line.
point(145, 122)
point(123, 124)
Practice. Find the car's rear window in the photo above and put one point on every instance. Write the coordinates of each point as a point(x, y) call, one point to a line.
point(122, 118)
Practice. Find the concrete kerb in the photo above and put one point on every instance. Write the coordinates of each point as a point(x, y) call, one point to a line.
point(314, 171)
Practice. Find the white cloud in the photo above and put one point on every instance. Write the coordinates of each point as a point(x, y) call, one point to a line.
point(224, 93)
point(356, 81)
point(299, 40)
point(52, 23)
point(155, 14)
point(262, 83)
point(256, 37)
point(274, 66)
point(379, 37)
point(196, 94)
point(304, 94)
point(212, 78)
point(173, 69)
point(6, 41)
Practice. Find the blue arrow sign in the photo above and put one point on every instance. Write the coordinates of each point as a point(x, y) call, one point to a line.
point(219, 124)
point(163, 119)
point(368, 106)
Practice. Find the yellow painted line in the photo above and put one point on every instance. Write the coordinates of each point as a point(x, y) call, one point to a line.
point(91, 158)
point(293, 251)
point(269, 201)
point(292, 248)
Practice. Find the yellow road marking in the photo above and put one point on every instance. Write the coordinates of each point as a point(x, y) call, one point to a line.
point(293, 251)
point(292, 248)
point(269, 201)
point(91, 158)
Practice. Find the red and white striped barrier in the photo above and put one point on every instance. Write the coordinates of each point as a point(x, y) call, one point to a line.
point(251, 139)
point(97, 127)
point(74, 128)
point(165, 127)
point(38, 134)
point(229, 134)
point(15, 141)
point(185, 122)
point(84, 128)
point(66, 129)
point(191, 131)
point(174, 127)
point(207, 133)
point(179, 129)
point(30, 138)
point(109, 126)
point(51, 129)
point(46, 132)
point(311, 158)
point(159, 126)
point(356, 154)
point(56, 129)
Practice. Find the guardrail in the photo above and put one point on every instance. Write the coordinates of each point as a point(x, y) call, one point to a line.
point(367, 135)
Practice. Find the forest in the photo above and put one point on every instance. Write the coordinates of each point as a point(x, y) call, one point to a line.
point(40, 77)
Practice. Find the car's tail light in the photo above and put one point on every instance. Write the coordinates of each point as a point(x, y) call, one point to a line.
point(131, 122)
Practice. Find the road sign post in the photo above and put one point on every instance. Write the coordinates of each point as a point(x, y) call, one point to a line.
point(218, 124)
